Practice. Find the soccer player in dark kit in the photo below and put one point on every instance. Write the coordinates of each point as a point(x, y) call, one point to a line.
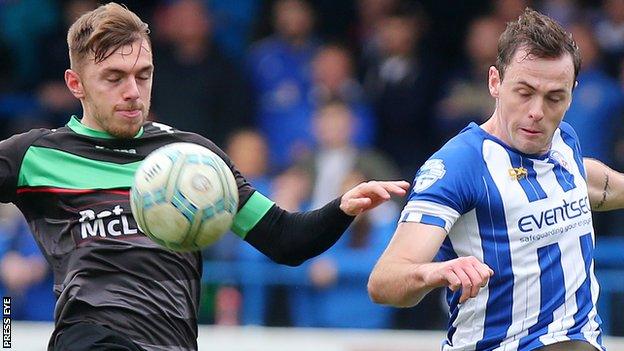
point(116, 289)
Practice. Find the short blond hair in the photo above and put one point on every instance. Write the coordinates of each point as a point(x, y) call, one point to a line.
point(103, 31)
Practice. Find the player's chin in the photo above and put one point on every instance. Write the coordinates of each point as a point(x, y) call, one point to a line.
point(126, 131)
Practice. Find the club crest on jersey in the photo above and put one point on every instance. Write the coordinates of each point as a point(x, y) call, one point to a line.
point(428, 174)
point(518, 173)
point(558, 157)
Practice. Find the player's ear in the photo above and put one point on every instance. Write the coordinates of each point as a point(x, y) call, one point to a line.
point(494, 81)
point(74, 84)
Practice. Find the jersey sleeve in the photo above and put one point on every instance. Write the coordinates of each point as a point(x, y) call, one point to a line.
point(12, 151)
point(445, 187)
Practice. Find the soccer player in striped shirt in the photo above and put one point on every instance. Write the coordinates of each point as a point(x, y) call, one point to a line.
point(501, 214)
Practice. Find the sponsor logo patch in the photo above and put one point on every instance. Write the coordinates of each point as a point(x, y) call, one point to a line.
point(428, 174)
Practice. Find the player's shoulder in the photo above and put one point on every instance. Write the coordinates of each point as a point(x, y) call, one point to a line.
point(567, 130)
point(465, 148)
point(166, 134)
point(455, 164)
point(24, 140)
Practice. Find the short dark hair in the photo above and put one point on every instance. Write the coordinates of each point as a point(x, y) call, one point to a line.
point(103, 31)
point(541, 36)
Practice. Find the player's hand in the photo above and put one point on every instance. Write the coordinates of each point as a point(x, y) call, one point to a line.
point(368, 195)
point(466, 273)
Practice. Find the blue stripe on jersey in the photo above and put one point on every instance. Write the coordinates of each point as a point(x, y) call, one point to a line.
point(447, 253)
point(551, 278)
point(451, 328)
point(432, 220)
point(529, 183)
point(583, 294)
point(496, 254)
point(572, 143)
point(564, 178)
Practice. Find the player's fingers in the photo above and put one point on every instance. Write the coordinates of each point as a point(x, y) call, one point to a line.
point(465, 283)
point(485, 272)
point(375, 189)
point(399, 187)
point(357, 205)
point(453, 280)
point(475, 280)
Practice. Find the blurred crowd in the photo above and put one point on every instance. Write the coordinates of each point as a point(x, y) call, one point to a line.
point(308, 98)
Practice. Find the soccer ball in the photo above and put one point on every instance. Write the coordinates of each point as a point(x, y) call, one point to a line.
point(184, 197)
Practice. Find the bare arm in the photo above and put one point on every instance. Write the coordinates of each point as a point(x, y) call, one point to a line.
point(405, 274)
point(604, 186)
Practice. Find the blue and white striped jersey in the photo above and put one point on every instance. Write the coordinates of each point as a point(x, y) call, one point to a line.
point(526, 217)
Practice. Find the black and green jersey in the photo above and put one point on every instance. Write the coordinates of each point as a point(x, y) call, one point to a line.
point(72, 186)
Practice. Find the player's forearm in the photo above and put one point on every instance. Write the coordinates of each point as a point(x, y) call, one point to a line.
point(605, 186)
point(399, 284)
point(291, 238)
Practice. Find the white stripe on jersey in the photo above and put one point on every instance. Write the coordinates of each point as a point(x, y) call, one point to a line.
point(470, 312)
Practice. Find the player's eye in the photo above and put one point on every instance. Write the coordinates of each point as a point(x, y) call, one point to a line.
point(113, 79)
point(523, 92)
point(555, 99)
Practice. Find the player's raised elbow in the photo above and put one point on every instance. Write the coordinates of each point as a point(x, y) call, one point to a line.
point(378, 289)
point(375, 291)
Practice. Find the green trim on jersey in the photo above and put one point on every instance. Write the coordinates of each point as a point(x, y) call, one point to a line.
point(76, 125)
point(59, 169)
point(253, 211)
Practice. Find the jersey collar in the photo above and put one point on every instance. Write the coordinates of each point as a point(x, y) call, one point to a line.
point(77, 126)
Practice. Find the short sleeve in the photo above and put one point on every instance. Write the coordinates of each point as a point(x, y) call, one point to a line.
point(445, 187)
point(12, 151)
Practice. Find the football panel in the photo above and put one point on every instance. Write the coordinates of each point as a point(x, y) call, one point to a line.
point(213, 229)
point(200, 183)
point(166, 223)
point(153, 173)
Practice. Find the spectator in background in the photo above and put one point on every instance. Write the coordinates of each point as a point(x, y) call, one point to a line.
point(609, 31)
point(280, 71)
point(371, 14)
point(211, 99)
point(563, 11)
point(402, 84)
point(56, 101)
point(465, 97)
point(337, 156)
point(598, 101)
point(509, 10)
point(24, 41)
point(339, 276)
point(333, 77)
point(233, 22)
point(24, 272)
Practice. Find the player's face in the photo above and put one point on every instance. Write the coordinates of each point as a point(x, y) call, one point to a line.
point(117, 91)
point(531, 100)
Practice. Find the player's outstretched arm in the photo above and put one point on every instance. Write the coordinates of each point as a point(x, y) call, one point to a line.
point(605, 186)
point(291, 238)
point(405, 274)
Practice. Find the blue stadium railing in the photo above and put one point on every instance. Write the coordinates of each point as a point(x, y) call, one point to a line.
point(608, 256)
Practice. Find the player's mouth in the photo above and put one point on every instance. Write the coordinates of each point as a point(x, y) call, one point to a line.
point(130, 113)
point(531, 132)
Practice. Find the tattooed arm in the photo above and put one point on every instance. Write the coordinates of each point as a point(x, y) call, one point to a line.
point(604, 185)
